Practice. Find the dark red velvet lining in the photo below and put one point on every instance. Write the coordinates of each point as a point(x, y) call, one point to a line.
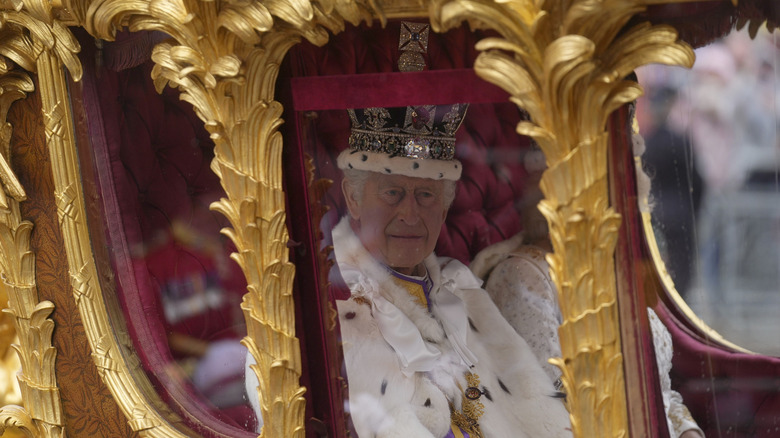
point(393, 90)
point(726, 391)
point(643, 394)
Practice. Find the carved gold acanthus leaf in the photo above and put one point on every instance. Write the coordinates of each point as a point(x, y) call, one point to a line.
point(34, 40)
point(16, 260)
point(31, 329)
point(17, 419)
point(137, 405)
point(566, 65)
point(224, 58)
point(39, 32)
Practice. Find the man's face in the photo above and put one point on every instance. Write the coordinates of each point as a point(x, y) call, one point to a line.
point(398, 218)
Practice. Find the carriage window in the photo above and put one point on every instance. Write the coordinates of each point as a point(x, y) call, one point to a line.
point(714, 158)
point(428, 172)
point(172, 272)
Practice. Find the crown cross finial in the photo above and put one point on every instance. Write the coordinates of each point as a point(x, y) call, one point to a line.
point(413, 42)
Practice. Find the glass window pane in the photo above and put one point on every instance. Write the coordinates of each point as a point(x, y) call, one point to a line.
point(178, 287)
point(713, 155)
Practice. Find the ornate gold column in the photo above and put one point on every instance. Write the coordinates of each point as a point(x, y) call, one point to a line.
point(562, 62)
point(26, 34)
point(41, 414)
point(565, 63)
point(224, 57)
point(107, 347)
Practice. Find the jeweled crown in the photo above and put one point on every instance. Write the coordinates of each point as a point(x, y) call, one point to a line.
point(422, 131)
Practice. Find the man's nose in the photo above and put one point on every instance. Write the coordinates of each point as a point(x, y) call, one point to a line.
point(409, 210)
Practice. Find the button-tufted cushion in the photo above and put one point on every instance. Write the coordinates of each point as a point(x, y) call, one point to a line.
point(162, 170)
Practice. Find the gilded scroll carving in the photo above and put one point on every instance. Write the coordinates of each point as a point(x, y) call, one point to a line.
point(43, 45)
point(41, 414)
point(11, 226)
point(224, 58)
point(566, 66)
point(106, 351)
point(547, 61)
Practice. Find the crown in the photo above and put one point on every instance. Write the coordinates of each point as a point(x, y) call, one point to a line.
point(413, 140)
point(424, 131)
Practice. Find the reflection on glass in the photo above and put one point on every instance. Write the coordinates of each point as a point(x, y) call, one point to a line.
point(714, 158)
point(411, 323)
point(200, 289)
point(179, 289)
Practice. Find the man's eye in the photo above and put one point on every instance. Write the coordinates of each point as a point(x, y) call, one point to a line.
point(392, 195)
point(425, 198)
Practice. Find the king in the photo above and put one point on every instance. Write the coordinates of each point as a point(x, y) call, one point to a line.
point(427, 352)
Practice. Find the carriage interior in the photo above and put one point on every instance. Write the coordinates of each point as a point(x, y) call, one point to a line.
point(178, 289)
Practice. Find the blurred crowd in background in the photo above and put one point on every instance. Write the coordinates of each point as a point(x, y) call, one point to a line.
point(713, 155)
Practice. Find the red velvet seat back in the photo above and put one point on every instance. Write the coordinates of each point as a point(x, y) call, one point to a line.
point(165, 186)
point(726, 391)
point(160, 178)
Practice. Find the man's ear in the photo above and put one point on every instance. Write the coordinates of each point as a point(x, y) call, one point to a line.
point(353, 205)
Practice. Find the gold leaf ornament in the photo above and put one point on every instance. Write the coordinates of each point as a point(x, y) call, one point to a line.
point(52, 35)
point(173, 12)
point(501, 68)
point(15, 418)
point(246, 19)
point(16, 46)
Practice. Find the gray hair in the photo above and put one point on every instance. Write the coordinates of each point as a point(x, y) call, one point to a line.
point(356, 179)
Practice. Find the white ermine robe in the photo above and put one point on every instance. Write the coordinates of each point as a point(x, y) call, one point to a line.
point(405, 364)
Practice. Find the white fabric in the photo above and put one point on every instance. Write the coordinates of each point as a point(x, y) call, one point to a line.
point(678, 418)
point(384, 401)
point(524, 292)
point(451, 310)
point(397, 329)
point(252, 386)
point(414, 167)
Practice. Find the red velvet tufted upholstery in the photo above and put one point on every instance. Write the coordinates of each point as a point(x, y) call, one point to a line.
point(160, 180)
point(162, 170)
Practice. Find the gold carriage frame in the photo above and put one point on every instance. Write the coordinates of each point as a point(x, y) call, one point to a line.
point(562, 62)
